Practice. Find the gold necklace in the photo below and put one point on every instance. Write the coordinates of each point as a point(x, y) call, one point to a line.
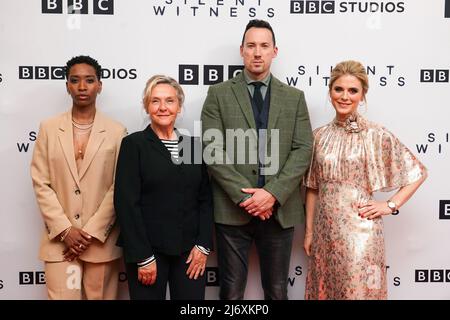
point(79, 146)
point(82, 126)
point(81, 129)
point(73, 120)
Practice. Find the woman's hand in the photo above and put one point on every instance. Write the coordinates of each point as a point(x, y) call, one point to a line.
point(373, 209)
point(307, 243)
point(197, 263)
point(77, 241)
point(147, 275)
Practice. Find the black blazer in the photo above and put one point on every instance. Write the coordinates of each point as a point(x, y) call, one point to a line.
point(161, 206)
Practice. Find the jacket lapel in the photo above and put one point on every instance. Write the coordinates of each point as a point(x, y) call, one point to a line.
point(276, 100)
point(65, 136)
point(96, 139)
point(239, 88)
point(156, 143)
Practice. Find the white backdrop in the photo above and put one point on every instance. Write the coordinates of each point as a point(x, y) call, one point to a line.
point(405, 45)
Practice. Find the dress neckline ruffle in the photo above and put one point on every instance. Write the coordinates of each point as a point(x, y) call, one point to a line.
point(354, 123)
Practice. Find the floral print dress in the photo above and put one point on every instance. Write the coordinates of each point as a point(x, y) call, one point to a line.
point(351, 160)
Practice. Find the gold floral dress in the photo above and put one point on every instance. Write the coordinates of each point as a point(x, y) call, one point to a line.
point(351, 160)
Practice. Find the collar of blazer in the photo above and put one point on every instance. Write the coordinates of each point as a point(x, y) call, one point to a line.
point(96, 139)
point(157, 143)
point(277, 99)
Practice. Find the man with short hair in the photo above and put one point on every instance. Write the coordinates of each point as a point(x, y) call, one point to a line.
point(256, 200)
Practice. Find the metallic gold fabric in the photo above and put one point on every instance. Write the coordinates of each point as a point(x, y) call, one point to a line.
point(351, 160)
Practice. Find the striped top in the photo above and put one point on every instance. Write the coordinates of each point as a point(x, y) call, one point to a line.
point(172, 146)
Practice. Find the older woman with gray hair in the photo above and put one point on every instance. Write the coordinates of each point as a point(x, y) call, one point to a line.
point(163, 202)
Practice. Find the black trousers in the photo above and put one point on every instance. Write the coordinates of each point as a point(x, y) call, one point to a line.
point(273, 244)
point(172, 270)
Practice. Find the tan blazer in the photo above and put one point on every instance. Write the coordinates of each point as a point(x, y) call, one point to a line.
point(82, 199)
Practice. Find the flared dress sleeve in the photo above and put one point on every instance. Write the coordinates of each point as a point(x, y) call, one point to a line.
point(390, 164)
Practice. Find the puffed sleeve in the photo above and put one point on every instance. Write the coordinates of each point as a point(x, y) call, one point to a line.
point(391, 165)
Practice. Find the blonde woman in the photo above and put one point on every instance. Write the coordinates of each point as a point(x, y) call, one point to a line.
point(352, 159)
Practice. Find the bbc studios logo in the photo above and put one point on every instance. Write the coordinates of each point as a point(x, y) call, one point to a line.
point(58, 73)
point(31, 277)
point(434, 75)
point(432, 275)
point(212, 276)
point(42, 72)
point(99, 7)
point(189, 74)
point(444, 209)
point(38, 277)
point(345, 7)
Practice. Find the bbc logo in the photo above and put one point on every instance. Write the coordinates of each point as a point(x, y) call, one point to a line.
point(325, 7)
point(42, 72)
point(78, 6)
point(212, 276)
point(30, 277)
point(444, 209)
point(212, 74)
point(437, 275)
point(431, 75)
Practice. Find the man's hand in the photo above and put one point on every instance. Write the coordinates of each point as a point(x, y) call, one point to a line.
point(260, 204)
